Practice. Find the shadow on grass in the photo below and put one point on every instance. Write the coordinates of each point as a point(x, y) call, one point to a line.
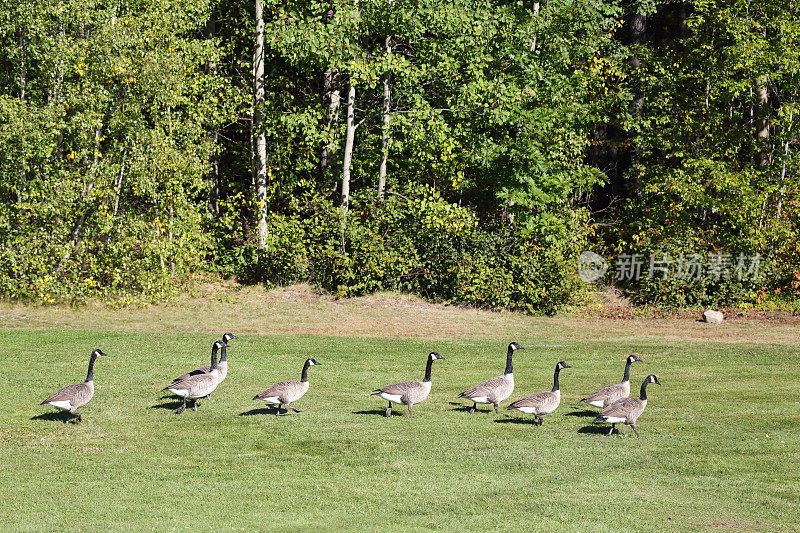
point(382, 412)
point(262, 411)
point(54, 416)
point(596, 430)
point(583, 412)
point(516, 420)
point(466, 408)
point(171, 404)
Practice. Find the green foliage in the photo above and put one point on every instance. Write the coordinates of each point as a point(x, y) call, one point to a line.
point(103, 124)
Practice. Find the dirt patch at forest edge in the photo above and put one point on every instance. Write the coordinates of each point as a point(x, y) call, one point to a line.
point(300, 310)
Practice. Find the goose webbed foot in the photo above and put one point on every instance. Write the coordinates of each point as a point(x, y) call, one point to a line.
point(610, 431)
point(472, 409)
point(182, 408)
point(389, 410)
point(278, 410)
point(295, 409)
point(495, 409)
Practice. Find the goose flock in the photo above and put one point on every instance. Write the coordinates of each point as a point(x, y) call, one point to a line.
point(617, 407)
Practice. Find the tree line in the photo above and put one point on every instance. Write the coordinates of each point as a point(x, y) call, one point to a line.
point(467, 151)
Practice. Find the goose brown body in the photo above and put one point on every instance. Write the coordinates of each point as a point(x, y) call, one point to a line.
point(284, 393)
point(494, 390)
point(77, 395)
point(198, 385)
point(222, 364)
point(409, 393)
point(627, 410)
point(542, 403)
point(611, 393)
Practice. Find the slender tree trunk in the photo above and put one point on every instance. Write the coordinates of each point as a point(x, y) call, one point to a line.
point(23, 68)
point(535, 15)
point(348, 155)
point(638, 34)
point(332, 97)
point(213, 163)
point(260, 140)
point(781, 183)
point(387, 106)
point(762, 123)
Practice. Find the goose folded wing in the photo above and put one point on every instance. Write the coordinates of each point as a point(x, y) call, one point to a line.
point(399, 388)
point(619, 409)
point(606, 392)
point(282, 389)
point(484, 387)
point(196, 372)
point(69, 393)
point(538, 399)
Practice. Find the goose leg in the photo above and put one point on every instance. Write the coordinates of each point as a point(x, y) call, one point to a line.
point(541, 420)
point(182, 408)
point(278, 410)
point(472, 409)
point(610, 431)
point(208, 397)
point(295, 409)
point(78, 415)
point(389, 410)
point(633, 427)
point(409, 412)
point(194, 405)
point(495, 409)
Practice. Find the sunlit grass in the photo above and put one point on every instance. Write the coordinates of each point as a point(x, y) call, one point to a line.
point(719, 448)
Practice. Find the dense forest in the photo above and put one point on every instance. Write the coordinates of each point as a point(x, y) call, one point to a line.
point(464, 151)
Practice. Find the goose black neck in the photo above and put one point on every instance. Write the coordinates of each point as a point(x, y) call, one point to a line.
point(627, 375)
point(224, 354)
point(555, 378)
point(304, 375)
point(643, 392)
point(214, 351)
point(90, 373)
point(509, 363)
point(428, 370)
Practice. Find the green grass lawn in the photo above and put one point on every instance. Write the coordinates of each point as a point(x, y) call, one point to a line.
point(720, 446)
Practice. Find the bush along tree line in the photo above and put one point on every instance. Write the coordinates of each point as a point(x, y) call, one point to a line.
point(464, 151)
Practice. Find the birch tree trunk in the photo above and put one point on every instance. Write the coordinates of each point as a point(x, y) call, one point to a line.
point(213, 161)
point(762, 123)
point(348, 155)
point(535, 14)
point(259, 135)
point(387, 106)
point(332, 97)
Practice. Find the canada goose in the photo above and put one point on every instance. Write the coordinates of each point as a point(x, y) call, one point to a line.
point(494, 390)
point(610, 394)
point(73, 397)
point(286, 392)
point(200, 385)
point(542, 403)
point(222, 363)
point(627, 410)
point(408, 392)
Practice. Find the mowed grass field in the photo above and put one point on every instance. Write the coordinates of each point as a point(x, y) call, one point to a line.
point(720, 446)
